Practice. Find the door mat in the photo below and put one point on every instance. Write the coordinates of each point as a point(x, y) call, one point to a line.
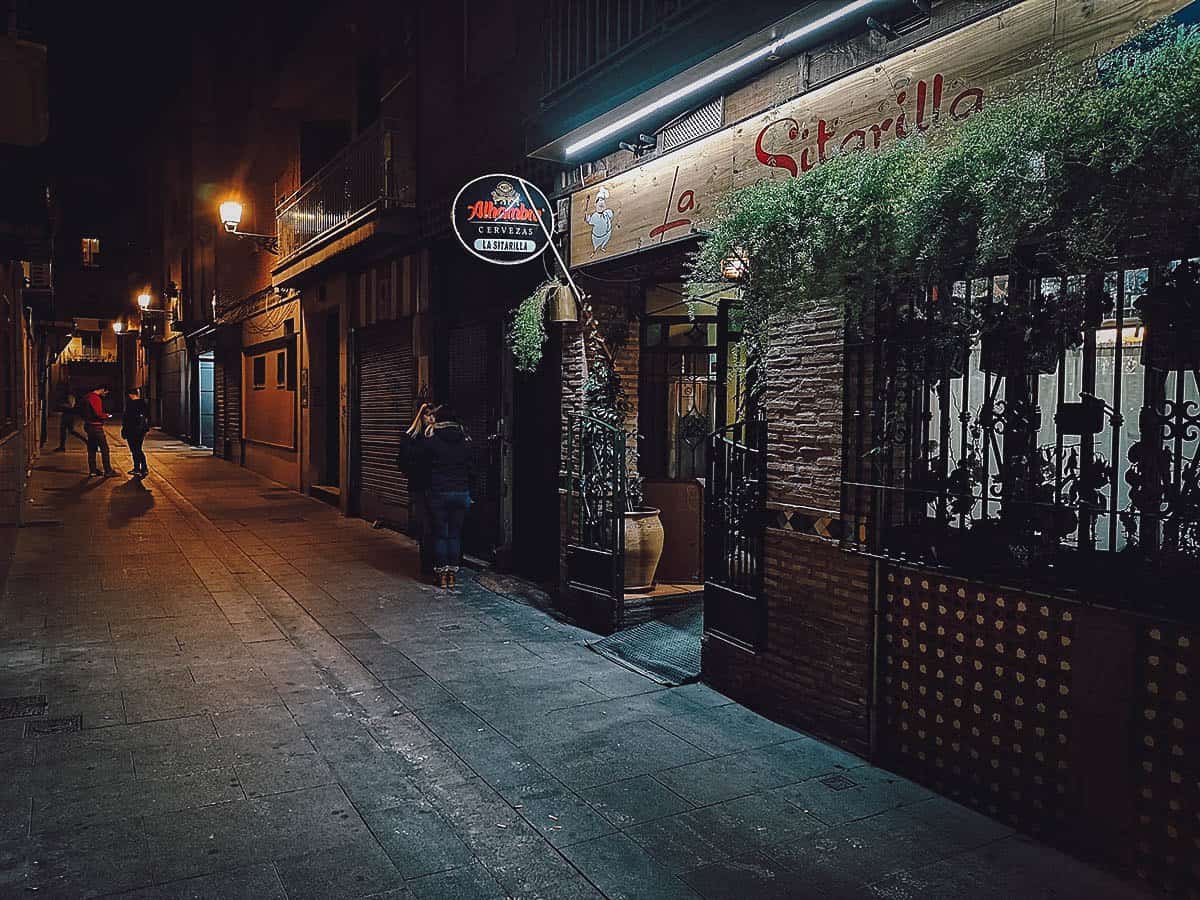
point(666, 650)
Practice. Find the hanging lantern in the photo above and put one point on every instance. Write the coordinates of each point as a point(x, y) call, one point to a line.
point(564, 310)
point(735, 266)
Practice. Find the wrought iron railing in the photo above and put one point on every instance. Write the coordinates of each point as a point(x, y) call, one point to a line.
point(735, 494)
point(1077, 472)
point(375, 172)
point(735, 500)
point(88, 355)
point(596, 491)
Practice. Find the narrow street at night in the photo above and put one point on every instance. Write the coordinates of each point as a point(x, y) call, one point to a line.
point(600, 449)
point(248, 696)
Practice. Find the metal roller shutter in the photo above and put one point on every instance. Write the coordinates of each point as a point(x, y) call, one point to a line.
point(172, 369)
point(232, 401)
point(227, 389)
point(219, 448)
point(386, 388)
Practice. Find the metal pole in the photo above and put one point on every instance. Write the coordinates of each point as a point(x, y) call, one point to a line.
point(550, 241)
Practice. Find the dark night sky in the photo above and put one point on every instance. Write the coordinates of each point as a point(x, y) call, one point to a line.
point(110, 64)
point(113, 68)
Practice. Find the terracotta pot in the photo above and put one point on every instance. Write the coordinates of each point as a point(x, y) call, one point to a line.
point(643, 548)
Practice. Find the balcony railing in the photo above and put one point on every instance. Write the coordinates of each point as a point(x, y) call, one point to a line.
point(88, 355)
point(373, 173)
point(583, 36)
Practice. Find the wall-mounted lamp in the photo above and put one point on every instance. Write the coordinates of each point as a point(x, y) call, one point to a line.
point(564, 310)
point(231, 218)
point(735, 267)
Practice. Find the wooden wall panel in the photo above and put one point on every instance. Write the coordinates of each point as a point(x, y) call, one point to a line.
point(944, 80)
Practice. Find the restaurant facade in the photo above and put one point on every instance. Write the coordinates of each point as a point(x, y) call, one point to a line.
point(824, 604)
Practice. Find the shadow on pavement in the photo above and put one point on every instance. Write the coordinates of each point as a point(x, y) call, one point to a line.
point(129, 501)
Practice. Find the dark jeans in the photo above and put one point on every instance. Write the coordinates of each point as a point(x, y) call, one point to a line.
point(96, 440)
point(66, 425)
point(135, 450)
point(425, 531)
point(449, 513)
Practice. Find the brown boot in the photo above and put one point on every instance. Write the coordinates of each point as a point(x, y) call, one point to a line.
point(443, 579)
point(450, 576)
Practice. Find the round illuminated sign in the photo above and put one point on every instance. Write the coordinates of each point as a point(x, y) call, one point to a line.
point(502, 219)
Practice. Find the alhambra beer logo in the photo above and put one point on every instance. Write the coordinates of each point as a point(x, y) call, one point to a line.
point(502, 219)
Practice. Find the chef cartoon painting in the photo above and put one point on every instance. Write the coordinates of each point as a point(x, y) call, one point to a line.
point(601, 220)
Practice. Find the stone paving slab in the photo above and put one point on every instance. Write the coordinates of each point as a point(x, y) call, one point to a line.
point(271, 706)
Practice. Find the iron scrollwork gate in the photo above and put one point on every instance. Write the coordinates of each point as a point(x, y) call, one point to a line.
point(734, 525)
point(595, 525)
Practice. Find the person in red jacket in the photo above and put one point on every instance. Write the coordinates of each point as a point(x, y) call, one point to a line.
point(94, 417)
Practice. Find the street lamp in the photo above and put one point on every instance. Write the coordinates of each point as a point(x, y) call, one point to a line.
point(231, 218)
point(118, 326)
point(144, 301)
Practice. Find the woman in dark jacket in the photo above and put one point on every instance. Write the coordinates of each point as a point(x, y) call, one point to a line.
point(415, 465)
point(446, 451)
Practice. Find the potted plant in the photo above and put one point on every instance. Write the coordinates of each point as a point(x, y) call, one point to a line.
point(934, 337)
point(1170, 312)
point(1029, 337)
point(527, 329)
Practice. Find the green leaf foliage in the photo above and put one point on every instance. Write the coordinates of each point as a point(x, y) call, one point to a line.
point(1087, 162)
point(527, 330)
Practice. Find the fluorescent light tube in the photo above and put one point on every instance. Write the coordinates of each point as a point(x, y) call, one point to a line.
point(632, 118)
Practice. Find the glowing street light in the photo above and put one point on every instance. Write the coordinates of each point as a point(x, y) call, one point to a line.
point(143, 301)
point(118, 326)
point(231, 217)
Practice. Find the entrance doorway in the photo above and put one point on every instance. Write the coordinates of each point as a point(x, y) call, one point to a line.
point(205, 382)
point(682, 399)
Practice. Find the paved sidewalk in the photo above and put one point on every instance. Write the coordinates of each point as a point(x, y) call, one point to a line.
point(248, 696)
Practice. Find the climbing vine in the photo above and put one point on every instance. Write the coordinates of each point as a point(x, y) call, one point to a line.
point(1073, 169)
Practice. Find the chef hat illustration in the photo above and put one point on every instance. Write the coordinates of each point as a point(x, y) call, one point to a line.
point(602, 194)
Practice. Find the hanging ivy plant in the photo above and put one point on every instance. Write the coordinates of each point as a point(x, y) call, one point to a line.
point(1074, 168)
point(527, 330)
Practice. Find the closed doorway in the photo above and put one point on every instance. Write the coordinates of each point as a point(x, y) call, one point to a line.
point(207, 419)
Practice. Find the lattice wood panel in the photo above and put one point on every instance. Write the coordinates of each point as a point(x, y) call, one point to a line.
point(1167, 727)
point(977, 696)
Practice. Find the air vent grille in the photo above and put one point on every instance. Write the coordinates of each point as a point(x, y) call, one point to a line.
point(697, 123)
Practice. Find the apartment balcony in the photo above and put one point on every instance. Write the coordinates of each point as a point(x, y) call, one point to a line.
point(363, 194)
point(87, 355)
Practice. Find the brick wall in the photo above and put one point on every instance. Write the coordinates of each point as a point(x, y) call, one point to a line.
point(608, 306)
point(814, 669)
point(804, 411)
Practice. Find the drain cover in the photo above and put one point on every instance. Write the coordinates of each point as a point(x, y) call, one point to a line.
point(21, 707)
point(450, 628)
point(837, 782)
point(53, 726)
point(284, 520)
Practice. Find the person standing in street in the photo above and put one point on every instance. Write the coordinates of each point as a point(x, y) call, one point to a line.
point(447, 451)
point(134, 428)
point(68, 414)
point(94, 418)
point(416, 467)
